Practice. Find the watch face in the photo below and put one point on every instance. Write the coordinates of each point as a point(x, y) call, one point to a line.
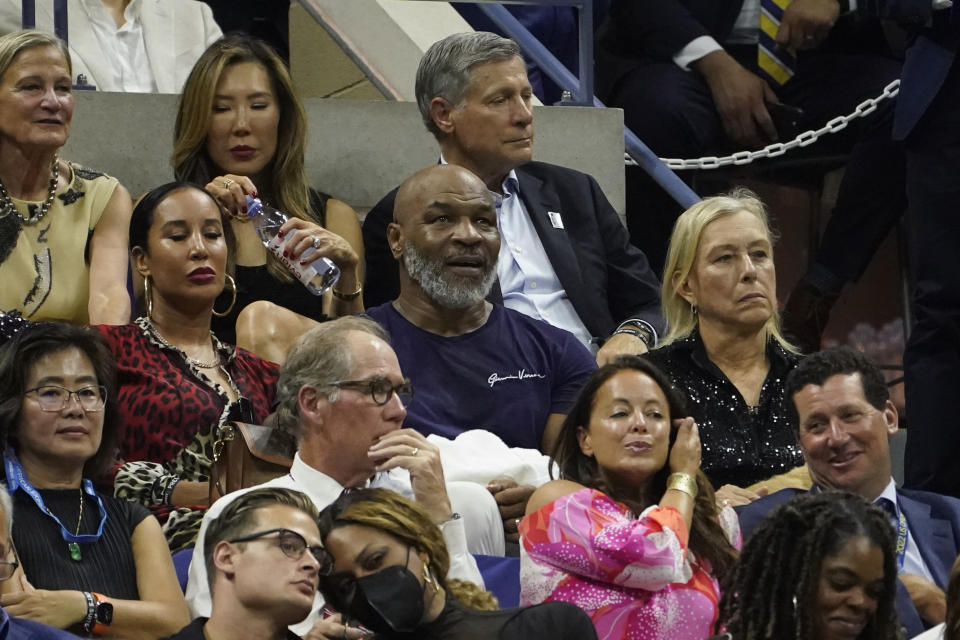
point(104, 612)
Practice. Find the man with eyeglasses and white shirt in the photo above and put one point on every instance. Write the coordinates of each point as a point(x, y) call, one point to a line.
point(13, 628)
point(342, 391)
point(263, 559)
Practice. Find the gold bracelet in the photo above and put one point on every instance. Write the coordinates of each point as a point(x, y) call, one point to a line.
point(347, 297)
point(683, 482)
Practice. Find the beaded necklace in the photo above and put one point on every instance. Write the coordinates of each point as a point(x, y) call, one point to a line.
point(6, 203)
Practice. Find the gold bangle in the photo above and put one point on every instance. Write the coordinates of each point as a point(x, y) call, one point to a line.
point(683, 482)
point(347, 297)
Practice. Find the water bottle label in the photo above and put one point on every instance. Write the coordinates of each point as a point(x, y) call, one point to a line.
point(304, 272)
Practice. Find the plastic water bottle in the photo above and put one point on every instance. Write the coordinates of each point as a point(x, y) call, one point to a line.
point(316, 276)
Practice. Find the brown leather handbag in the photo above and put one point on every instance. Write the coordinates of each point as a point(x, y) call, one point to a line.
point(245, 455)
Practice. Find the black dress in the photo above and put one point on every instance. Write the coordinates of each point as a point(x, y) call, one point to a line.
point(106, 566)
point(548, 621)
point(256, 283)
point(740, 444)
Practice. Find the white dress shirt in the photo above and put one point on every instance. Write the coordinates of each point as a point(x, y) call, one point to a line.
point(322, 490)
point(125, 50)
point(912, 561)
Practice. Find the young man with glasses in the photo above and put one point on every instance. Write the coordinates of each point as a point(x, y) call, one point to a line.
point(263, 559)
point(342, 393)
point(12, 628)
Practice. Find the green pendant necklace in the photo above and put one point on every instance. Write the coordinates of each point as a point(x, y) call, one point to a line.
point(73, 547)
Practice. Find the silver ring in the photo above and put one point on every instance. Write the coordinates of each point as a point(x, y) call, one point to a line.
point(415, 451)
point(725, 503)
point(316, 242)
point(227, 182)
point(516, 521)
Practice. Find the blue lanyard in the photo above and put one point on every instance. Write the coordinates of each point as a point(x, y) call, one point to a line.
point(17, 479)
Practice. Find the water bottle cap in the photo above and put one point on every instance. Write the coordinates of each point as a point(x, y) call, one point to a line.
point(253, 206)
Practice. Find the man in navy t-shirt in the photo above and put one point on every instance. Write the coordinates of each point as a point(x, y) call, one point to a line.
point(474, 365)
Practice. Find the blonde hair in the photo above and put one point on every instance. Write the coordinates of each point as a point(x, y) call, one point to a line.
point(192, 163)
point(13, 44)
point(682, 254)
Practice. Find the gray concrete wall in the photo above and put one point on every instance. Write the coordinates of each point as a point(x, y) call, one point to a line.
point(357, 150)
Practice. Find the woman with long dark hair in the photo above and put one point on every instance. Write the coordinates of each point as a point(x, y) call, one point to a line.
point(630, 530)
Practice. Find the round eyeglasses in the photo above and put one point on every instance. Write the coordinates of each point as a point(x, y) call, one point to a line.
point(293, 545)
point(380, 389)
point(52, 397)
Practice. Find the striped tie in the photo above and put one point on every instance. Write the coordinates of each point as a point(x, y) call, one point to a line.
point(777, 64)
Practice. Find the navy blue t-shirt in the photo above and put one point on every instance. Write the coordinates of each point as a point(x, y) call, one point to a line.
point(506, 377)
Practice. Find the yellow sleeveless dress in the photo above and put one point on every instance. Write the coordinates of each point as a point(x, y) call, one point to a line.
point(45, 274)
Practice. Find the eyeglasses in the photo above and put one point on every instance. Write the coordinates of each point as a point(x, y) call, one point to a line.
point(380, 389)
point(52, 397)
point(293, 546)
point(7, 567)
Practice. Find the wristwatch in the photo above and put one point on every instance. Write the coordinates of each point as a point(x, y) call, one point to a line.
point(99, 613)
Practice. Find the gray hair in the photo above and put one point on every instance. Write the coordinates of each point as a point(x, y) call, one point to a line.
point(446, 68)
point(6, 505)
point(319, 357)
point(13, 44)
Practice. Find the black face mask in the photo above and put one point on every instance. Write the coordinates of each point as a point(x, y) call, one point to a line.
point(388, 601)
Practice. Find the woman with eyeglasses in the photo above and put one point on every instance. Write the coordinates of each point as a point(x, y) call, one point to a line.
point(177, 382)
point(387, 572)
point(90, 563)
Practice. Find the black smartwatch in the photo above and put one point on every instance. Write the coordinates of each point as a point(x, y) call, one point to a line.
point(102, 614)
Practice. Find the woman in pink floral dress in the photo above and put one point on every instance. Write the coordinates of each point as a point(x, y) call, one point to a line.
point(630, 532)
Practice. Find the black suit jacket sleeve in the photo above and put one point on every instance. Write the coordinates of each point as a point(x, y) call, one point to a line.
point(656, 29)
point(632, 288)
point(381, 279)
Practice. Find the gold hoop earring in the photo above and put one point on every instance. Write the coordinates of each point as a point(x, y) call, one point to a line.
point(233, 301)
point(428, 578)
point(148, 296)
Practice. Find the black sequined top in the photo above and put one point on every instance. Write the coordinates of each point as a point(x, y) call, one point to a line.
point(11, 323)
point(740, 444)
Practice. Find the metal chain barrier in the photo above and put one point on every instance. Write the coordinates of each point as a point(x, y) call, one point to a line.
point(805, 139)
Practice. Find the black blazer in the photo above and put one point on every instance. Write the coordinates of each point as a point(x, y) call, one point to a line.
point(607, 279)
point(658, 29)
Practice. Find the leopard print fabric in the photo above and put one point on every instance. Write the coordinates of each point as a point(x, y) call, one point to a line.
point(169, 410)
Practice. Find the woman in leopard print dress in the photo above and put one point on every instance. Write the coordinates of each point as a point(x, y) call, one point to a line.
point(178, 382)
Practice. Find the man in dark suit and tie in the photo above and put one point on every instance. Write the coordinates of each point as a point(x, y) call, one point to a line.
point(927, 120)
point(693, 81)
point(565, 257)
point(844, 418)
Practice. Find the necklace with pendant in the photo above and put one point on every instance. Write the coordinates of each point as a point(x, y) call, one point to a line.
point(74, 548)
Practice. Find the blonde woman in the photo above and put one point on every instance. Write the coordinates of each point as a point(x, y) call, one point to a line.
point(63, 228)
point(241, 130)
point(724, 349)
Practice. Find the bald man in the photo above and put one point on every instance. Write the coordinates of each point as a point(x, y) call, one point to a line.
point(474, 365)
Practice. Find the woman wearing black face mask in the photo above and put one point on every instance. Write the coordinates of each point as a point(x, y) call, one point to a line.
point(389, 563)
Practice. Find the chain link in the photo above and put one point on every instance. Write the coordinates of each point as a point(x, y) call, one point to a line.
point(775, 149)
